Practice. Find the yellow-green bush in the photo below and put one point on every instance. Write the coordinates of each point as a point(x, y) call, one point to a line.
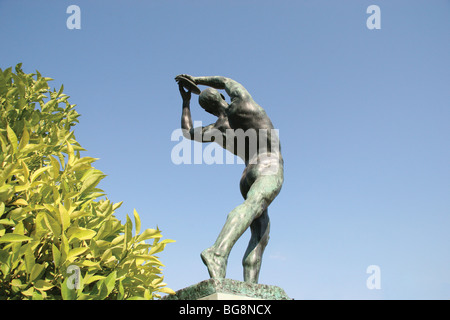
point(59, 238)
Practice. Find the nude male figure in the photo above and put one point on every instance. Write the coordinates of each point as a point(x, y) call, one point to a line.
point(263, 175)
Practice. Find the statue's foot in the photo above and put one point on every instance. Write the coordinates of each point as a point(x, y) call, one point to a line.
point(215, 263)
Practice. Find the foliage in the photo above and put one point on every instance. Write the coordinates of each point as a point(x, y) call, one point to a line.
point(58, 237)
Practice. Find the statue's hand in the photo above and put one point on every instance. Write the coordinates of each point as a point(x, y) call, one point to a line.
point(186, 95)
point(186, 76)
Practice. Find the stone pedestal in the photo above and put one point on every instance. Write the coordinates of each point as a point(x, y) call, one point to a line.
point(227, 289)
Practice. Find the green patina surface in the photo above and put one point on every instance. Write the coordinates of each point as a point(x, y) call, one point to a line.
point(211, 286)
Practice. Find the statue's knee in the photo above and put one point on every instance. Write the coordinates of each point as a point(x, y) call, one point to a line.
point(251, 261)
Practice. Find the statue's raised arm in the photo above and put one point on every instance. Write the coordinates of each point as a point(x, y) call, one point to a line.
point(233, 88)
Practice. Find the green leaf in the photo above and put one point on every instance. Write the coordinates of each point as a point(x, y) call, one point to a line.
point(78, 214)
point(43, 285)
point(16, 283)
point(147, 295)
point(7, 222)
point(20, 202)
point(64, 216)
point(19, 83)
point(110, 282)
point(37, 295)
point(160, 246)
point(24, 140)
point(103, 291)
point(149, 234)
point(89, 263)
point(128, 232)
point(166, 290)
point(29, 292)
point(147, 259)
point(12, 237)
point(17, 214)
point(94, 278)
point(64, 248)
point(12, 138)
point(36, 272)
point(3, 144)
point(49, 105)
point(32, 147)
point(137, 222)
point(106, 255)
point(30, 260)
point(38, 172)
point(52, 225)
point(76, 252)
point(83, 163)
point(6, 173)
point(92, 181)
point(55, 167)
point(25, 170)
point(56, 255)
point(81, 234)
point(71, 154)
point(121, 291)
point(94, 248)
point(40, 84)
point(117, 205)
point(60, 90)
point(6, 192)
point(41, 227)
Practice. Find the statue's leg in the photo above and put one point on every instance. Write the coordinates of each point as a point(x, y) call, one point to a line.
point(238, 220)
point(258, 241)
point(261, 194)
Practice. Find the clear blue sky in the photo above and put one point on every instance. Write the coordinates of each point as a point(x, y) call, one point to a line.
point(363, 117)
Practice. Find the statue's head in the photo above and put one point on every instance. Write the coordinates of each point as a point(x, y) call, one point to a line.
point(212, 101)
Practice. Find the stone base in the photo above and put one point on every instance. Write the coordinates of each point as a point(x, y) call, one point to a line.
point(227, 289)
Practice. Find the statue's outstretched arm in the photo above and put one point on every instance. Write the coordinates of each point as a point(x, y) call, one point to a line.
point(233, 88)
point(216, 82)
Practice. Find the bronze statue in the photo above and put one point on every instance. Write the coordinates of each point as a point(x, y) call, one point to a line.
point(243, 128)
